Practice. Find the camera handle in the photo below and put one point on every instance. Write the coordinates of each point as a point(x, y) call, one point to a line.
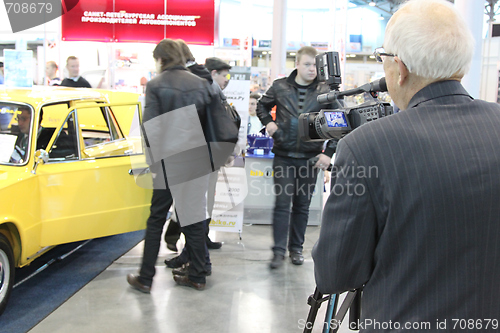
point(375, 86)
point(333, 319)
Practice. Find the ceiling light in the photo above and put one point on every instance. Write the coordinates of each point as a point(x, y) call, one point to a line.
point(264, 52)
point(372, 3)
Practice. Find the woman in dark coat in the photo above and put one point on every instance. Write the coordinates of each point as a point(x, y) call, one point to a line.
point(177, 153)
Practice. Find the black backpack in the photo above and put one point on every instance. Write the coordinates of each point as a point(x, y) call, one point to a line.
point(231, 110)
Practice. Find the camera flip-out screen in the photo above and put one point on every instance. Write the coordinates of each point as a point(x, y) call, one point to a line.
point(336, 119)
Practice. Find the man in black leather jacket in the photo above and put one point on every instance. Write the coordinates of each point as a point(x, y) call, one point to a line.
point(173, 232)
point(174, 116)
point(294, 177)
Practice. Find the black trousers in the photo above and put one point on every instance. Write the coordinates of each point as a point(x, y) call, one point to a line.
point(197, 251)
point(173, 232)
point(195, 240)
point(294, 184)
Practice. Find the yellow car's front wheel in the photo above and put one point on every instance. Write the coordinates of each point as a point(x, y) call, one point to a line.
point(6, 271)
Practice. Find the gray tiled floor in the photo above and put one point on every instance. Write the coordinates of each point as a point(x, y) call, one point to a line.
point(242, 295)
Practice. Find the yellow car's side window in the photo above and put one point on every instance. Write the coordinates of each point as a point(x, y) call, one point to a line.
point(94, 128)
point(101, 133)
point(65, 146)
point(53, 115)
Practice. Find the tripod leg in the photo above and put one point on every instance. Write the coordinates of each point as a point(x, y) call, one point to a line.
point(314, 301)
point(355, 311)
point(344, 307)
point(330, 312)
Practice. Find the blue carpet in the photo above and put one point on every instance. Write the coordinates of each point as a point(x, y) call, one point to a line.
point(33, 300)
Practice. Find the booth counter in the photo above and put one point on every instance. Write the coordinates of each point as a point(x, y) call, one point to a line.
point(259, 202)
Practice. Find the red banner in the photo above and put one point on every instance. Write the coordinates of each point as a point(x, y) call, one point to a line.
point(140, 21)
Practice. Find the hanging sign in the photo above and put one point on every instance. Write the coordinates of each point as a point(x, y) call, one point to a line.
point(140, 21)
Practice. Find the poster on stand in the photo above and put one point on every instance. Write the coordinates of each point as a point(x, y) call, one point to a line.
point(238, 94)
point(18, 68)
point(230, 192)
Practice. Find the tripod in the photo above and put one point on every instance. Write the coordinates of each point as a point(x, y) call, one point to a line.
point(333, 319)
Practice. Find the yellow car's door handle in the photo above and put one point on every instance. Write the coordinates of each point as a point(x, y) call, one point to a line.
point(138, 171)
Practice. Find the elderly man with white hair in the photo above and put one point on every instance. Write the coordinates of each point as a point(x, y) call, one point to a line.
point(420, 233)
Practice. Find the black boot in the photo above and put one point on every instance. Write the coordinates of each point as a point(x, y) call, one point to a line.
point(212, 245)
point(277, 261)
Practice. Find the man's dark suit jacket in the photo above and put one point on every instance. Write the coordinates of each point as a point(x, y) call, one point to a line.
point(418, 220)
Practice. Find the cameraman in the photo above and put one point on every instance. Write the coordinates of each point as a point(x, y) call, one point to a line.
point(294, 177)
point(421, 231)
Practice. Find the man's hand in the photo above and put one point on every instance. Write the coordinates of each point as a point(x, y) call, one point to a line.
point(326, 179)
point(323, 162)
point(271, 128)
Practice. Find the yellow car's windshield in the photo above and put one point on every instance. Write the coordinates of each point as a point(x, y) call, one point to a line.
point(16, 125)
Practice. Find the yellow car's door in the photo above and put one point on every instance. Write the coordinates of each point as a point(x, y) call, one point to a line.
point(86, 188)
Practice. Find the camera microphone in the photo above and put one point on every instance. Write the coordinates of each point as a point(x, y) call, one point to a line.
point(328, 97)
point(378, 85)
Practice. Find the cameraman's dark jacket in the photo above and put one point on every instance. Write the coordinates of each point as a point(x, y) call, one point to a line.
point(284, 94)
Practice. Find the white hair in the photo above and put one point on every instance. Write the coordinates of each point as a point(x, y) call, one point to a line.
point(431, 38)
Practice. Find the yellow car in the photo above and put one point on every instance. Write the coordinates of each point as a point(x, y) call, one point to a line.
point(66, 161)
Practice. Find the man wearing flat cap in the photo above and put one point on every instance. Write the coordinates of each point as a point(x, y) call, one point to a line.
point(219, 70)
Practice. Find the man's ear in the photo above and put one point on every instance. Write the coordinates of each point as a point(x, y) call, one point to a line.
point(213, 72)
point(403, 71)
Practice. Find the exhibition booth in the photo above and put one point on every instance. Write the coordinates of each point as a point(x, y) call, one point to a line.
point(114, 41)
point(119, 37)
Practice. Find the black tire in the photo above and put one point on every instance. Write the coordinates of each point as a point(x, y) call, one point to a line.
point(7, 271)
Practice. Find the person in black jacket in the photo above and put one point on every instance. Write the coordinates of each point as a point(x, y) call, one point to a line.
point(174, 116)
point(172, 233)
point(74, 80)
point(191, 63)
point(294, 177)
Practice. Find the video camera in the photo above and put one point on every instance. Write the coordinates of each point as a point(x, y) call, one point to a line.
point(335, 123)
